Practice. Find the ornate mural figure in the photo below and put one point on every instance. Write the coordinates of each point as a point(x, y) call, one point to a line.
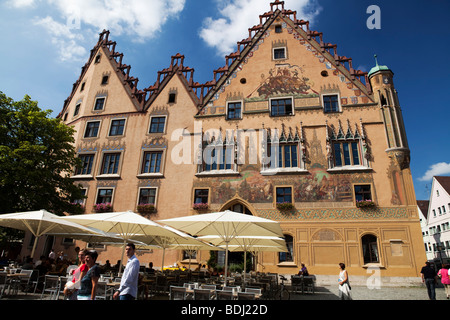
point(284, 80)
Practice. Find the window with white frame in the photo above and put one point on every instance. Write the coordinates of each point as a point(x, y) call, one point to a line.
point(281, 107)
point(152, 162)
point(331, 103)
point(147, 196)
point(92, 129)
point(104, 196)
point(99, 103)
point(279, 53)
point(117, 127)
point(346, 153)
point(218, 156)
point(234, 110)
point(157, 124)
point(110, 163)
point(284, 152)
point(87, 163)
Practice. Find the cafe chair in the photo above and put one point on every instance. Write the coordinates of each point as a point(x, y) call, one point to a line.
point(203, 294)
point(253, 290)
point(51, 287)
point(246, 296)
point(177, 293)
point(3, 283)
point(102, 291)
point(225, 295)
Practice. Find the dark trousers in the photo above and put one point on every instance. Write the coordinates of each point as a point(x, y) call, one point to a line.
point(431, 288)
point(126, 297)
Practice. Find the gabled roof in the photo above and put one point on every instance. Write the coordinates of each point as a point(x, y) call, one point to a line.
point(444, 182)
point(123, 72)
point(423, 206)
point(186, 75)
point(301, 27)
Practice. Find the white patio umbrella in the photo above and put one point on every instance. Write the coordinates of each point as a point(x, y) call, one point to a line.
point(227, 225)
point(249, 244)
point(125, 225)
point(41, 223)
point(175, 239)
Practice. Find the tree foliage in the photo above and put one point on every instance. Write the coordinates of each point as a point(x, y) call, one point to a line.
point(36, 157)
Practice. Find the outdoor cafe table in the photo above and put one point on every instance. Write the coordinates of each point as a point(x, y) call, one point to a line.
point(190, 293)
point(15, 276)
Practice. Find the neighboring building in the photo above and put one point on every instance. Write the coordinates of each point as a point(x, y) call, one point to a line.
point(422, 206)
point(436, 229)
point(286, 130)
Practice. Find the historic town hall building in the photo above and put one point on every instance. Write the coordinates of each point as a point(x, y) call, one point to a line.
point(287, 130)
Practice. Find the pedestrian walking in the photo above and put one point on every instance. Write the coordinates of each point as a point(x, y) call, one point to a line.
point(344, 284)
point(88, 287)
point(129, 283)
point(445, 280)
point(429, 277)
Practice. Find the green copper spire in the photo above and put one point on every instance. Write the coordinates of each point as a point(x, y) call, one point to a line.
point(378, 67)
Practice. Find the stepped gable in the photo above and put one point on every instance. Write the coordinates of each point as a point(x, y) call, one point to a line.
point(301, 29)
point(186, 75)
point(123, 71)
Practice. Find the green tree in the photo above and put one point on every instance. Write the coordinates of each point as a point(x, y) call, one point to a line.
point(36, 157)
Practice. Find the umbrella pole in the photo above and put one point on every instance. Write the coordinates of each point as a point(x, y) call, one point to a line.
point(164, 253)
point(226, 263)
point(34, 246)
point(245, 266)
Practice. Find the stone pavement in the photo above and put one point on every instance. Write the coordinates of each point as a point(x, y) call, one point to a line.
point(328, 292)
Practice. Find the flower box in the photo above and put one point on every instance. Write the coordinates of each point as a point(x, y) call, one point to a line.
point(78, 208)
point(102, 207)
point(200, 206)
point(145, 208)
point(285, 206)
point(366, 204)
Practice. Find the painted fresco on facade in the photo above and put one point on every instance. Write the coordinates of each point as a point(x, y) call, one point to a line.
point(283, 80)
point(252, 186)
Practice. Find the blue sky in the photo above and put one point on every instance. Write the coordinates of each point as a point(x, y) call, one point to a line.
point(46, 42)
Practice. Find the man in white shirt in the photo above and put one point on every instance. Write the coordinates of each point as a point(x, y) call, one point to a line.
point(129, 283)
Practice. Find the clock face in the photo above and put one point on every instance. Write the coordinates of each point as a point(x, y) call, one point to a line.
point(386, 80)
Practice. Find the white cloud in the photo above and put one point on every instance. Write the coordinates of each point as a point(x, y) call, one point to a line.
point(237, 16)
point(438, 169)
point(66, 42)
point(72, 22)
point(139, 18)
point(20, 3)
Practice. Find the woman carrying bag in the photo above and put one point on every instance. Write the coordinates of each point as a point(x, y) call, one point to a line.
point(344, 284)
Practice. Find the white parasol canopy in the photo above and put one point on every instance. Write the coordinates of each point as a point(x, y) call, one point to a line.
point(227, 225)
point(126, 225)
point(41, 223)
point(176, 239)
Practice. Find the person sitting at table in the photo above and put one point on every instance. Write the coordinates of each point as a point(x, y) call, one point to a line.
point(303, 271)
point(150, 269)
point(28, 265)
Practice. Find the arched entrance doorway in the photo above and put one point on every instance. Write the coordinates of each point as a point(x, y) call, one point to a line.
point(236, 259)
